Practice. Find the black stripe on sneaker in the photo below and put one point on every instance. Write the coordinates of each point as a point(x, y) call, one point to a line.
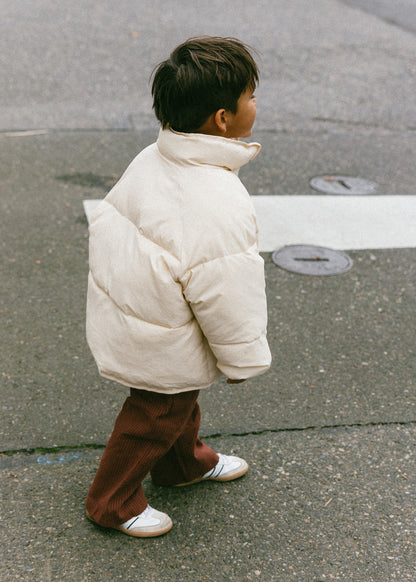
point(133, 522)
point(221, 470)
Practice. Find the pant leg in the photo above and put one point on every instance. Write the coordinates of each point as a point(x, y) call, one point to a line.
point(145, 430)
point(188, 458)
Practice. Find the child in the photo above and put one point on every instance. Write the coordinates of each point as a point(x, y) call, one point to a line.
point(176, 292)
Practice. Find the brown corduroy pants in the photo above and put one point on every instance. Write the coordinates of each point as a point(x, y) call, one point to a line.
point(154, 433)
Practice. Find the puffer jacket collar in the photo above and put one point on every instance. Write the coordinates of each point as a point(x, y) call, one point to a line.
point(202, 149)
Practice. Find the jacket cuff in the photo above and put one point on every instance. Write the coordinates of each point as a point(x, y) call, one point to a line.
point(242, 361)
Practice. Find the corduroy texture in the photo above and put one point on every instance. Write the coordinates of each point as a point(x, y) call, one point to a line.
point(153, 432)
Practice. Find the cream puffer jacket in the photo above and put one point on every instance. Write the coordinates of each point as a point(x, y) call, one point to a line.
point(176, 291)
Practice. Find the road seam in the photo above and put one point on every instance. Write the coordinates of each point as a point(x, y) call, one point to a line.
point(95, 446)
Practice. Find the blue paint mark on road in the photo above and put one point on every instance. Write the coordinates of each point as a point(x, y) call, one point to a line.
point(55, 460)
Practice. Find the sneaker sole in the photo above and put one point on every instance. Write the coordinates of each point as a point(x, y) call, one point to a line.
point(145, 534)
point(231, 477)
point(136, 534)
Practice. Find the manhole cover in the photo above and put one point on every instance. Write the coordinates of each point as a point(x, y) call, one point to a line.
point(344, 185)
point(311, 260)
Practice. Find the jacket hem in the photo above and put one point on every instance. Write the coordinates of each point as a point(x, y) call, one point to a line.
point(158, 389)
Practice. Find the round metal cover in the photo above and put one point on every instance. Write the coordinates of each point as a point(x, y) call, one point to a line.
point(343, 185)
point(311, 260)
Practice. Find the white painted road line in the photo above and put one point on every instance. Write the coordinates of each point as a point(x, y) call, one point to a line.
point(337, 222)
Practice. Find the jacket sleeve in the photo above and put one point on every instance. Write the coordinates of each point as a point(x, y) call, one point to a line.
point(227, 296)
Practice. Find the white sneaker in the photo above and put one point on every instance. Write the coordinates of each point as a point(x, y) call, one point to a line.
point(149, 523)
point(227, 469)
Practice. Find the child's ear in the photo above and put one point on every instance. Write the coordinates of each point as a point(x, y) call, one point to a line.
point(216, 124)
point(220, 118)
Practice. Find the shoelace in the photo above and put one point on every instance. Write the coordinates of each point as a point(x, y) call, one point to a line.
point(146, 512)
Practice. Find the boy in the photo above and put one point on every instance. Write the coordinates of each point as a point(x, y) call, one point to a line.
point(176, 286)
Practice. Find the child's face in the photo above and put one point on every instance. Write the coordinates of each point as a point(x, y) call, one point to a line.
point(241, 123)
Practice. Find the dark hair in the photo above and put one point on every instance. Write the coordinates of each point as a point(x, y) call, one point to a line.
point(202, 75)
